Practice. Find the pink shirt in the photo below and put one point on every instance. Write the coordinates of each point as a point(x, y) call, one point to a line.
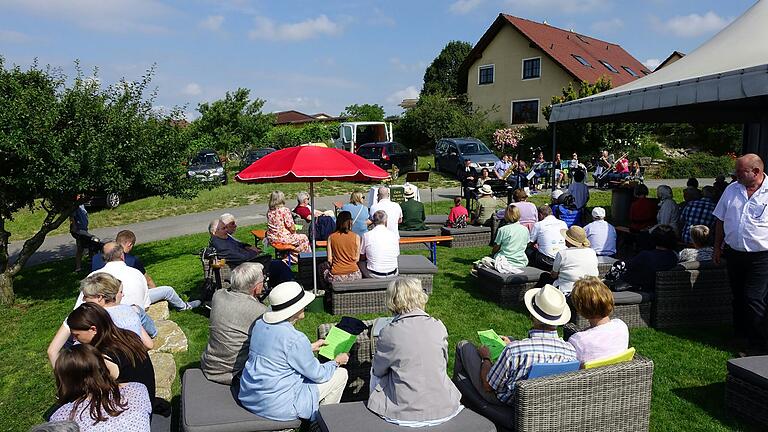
point(529, 215)
point(600, 342)
point(457, 211)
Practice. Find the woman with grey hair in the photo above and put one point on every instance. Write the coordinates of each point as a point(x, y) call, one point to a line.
point(668, 211)
point(409, 383)
point(303, 209)
point(701, 251)
point(280, 226)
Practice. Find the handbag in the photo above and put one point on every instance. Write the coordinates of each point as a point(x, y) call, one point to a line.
point(613, 279)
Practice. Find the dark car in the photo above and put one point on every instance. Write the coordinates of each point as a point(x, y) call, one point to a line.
point(450, 154)
point(207, 167)
point(389, 154)
point(253, 155)
point(108, 200)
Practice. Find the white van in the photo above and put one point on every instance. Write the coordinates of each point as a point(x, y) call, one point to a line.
point(354, 134)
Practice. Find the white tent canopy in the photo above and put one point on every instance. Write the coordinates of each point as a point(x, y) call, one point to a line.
point(724, 80)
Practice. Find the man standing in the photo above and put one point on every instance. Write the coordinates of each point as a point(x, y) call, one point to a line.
point(742, 221)
point(579, 190)
point(468, 178)
point(380, 248)
point(78, 227)
point(698, 212)
point(233, 313)
point(413, 211)
point(392, 209)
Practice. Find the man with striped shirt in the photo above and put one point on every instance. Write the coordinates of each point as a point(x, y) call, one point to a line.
point(496, 381)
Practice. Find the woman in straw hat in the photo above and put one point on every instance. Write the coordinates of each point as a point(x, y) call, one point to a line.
point(574, 262)
point(282, 379)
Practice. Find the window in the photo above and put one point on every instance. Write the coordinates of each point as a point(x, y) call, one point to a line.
point(645, 72)
point(532, 68)
point(609, 66)
point(581, 60)
point(630, 71)
point(485, 75)
point(525, 112)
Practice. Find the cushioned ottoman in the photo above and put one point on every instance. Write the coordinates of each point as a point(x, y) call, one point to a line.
point(604, 264)
point(210, 407)
point(746, 388)
point(693, 294)
point(304, 276)
point(359, 365)
point(431, 232)
point(632, 307)
point(436, 221)
point(471, 236)
point(354, 416)
point(367, 295)
point(507, 289)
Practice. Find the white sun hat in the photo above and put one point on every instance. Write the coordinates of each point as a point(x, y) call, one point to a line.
point(286, 299)
point(547, 304)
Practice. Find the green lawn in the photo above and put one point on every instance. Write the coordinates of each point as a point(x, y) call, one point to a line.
point(689, 368)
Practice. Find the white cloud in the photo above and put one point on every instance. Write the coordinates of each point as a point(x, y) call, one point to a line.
point(307, 29)
point(11, 36)
point(410, 92)
point(692, 25)
point(608, 26)
point(192, 89)
point(652, 63)
point(212, 23)
point(562, 6)
point(461, 7)
point(407, 67)
point(297, 103)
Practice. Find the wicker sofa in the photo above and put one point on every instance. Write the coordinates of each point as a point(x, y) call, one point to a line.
point(692, 294)
point(612, 398)
point(508, 289)
point(746, 389)
point(354, 417)
point(469, 236)
point(359, 365)
point(367, 295)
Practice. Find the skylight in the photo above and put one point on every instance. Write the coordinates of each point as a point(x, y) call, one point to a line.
point(630, 71)
point(609, 66)
point(581, 60)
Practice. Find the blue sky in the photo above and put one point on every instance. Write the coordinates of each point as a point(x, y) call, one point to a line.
point(316, 56)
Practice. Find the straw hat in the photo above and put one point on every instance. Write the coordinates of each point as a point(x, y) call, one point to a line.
point(409, 192)
point(576, 236)
point(547, 304)
point(486, 190)
point(286, 299)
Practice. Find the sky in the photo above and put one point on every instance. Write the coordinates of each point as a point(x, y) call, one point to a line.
point(316, 56)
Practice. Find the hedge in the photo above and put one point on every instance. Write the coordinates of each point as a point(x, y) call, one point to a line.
point(699, 165)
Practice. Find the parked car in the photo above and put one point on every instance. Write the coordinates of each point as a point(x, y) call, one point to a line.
point(108, 200)
point(253, 155)
point(390, 154)
point(450, 154)
point(207, 167)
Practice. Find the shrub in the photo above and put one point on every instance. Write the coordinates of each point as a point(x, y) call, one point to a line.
point(697, 165)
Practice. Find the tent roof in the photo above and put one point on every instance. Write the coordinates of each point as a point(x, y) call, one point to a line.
point(728, 71)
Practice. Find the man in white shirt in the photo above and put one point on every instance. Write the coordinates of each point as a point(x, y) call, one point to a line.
point(601, 234)
point(380, 248)
point(546, 234)
point(500, 167)
point(742, 222)
point(392, 209)
point(579, 190)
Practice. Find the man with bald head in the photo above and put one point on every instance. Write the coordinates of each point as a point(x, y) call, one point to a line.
point(742, 222)
point(392, 209)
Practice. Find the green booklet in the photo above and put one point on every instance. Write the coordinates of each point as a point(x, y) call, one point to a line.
point(336, 342)
point(490, 339)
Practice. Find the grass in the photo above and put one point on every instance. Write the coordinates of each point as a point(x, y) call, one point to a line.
point(689, 372)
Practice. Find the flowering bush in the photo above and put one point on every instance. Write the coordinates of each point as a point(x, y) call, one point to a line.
point(508, 137)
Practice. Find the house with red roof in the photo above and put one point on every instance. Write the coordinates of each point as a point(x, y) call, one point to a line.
point(294, 117)
point(518, 65)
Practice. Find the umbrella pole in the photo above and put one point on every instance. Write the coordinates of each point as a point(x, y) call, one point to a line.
point(312, 228)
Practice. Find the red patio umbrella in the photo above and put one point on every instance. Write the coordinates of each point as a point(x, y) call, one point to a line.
point(310, 164)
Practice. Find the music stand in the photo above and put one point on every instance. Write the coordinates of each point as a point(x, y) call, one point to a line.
point(421, 176)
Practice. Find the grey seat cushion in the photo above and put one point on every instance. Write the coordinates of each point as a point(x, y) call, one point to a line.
point(472, 399)
point(632, 297)
point(423, 233)
point(469, 229)
point(436, 219)
point(308, 255)
point(354, 416)
point(367, 283)
point(529, 274)
point(211, 407)
point(419, 264)
point(753, 369)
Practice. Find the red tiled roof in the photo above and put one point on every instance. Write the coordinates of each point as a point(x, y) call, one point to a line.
point(292, 116)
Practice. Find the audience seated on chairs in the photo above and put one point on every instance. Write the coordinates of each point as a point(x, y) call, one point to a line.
point(567, 211)
point(601, 234)
point(511, 239)
point(579, 190)
point(701, 251)
point(412, 211)
point(458, 217)
point(380, 248)
point(92, 398)
point(343, 252)
point(546, 235)
point(233, 312)
point(127, 239)
point(233, 253)
point(698, 212)
point(529, 215)
point(282, 380)
point(641, 270)
point(668, 209)
point(359, 213)
point(392, 209)
point(303, 209)
point(496, 381)
point(409, 384)
point(642, 211)
point(486, 207)
point(572, 263)
point(280, 226)
point(605, 337)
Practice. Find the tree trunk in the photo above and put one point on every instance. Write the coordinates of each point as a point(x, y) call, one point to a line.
point(6, 289)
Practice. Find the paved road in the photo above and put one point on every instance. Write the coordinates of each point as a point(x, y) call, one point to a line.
point(62, 246)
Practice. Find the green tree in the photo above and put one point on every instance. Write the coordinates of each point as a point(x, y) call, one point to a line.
point(442, 76)
point(59, 142)
point(234, 123)
point(364, 112)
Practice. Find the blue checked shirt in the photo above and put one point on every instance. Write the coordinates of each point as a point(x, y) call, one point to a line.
point(516, 360)
point(697, 212)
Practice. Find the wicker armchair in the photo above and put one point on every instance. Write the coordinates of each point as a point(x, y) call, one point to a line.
point(359, 365)
point(692, 294)
point(746, 389)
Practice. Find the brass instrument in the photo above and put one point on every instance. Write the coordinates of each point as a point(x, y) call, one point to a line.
point(509, 171)
point(618, 160)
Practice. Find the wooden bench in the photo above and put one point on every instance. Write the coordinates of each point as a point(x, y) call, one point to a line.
point(281, 249)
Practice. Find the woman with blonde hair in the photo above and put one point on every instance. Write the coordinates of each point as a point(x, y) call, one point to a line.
point(605, 337)
point(511, 239)
point(280, 226)
point(359, 212)
point(700, 251)
point(409, 383)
